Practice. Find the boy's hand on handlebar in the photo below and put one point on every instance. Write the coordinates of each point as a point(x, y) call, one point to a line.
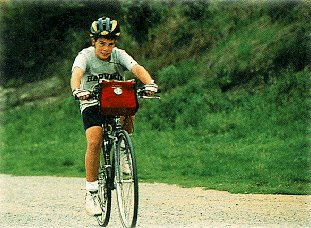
point(81, 94)
point(151, 88)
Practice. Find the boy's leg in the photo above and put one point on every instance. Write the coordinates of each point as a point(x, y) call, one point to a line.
point(92, 156)
point(128, 123)
point(92, 121)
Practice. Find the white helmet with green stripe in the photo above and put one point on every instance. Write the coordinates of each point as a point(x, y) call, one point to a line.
point(105, 27)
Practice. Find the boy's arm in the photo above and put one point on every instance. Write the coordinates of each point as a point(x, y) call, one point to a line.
point(76, 77)
point(75, 83)
point(142, 74)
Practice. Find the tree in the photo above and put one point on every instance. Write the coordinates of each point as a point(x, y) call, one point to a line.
point(34, 34)
point(141, 16)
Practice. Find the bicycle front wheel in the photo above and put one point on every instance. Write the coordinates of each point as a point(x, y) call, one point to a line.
point(126, 180)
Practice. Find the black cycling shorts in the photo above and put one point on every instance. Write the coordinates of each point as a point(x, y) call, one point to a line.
point(92, 117)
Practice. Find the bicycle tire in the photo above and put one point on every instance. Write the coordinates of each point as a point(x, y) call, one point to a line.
point(104, 193)
point(126, 184)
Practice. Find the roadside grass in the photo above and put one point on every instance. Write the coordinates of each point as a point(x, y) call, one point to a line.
point(253, 163)
point(234, 152)
point(43, 140)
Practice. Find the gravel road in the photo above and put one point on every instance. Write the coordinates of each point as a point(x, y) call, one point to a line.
point(59, 202)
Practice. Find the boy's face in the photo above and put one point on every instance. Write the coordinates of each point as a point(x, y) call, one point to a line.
point(103, 48)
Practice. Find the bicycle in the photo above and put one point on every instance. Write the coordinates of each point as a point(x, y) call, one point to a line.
point(118, 152)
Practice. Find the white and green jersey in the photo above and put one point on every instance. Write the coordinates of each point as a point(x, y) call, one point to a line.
point(96, 69)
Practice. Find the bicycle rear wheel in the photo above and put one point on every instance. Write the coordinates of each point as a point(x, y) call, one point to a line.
point(104, 193)
point(126, 180)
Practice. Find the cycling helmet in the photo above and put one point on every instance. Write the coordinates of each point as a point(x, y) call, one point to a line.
point(105, 27)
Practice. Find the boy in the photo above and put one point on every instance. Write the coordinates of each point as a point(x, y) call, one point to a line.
point(103, 60)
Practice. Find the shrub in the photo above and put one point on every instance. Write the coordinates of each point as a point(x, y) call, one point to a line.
point(177, 75)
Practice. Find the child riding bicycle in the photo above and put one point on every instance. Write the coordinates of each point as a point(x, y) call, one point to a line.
point(102, 60)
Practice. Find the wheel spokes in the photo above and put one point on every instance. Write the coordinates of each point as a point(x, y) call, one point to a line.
point(126, 191)
point(126, 181)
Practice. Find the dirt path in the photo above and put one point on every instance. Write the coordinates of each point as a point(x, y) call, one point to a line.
point(59, 202)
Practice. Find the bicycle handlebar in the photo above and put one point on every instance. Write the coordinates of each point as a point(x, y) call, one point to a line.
point(141, 93)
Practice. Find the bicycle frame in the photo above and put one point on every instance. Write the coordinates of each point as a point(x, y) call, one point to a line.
point(117, 152)
point(111, 174)
point(110, 133)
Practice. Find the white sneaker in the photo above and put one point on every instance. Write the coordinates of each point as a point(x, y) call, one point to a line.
point(92, 204)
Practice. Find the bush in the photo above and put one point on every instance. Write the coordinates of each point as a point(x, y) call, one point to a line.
point(177, 75)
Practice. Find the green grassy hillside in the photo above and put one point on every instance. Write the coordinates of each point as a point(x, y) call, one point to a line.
point(253, 146)
point(234, 108)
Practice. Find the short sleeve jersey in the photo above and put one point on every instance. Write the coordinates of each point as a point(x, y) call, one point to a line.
point(96, 69)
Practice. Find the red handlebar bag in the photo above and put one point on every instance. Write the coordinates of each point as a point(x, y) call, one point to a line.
point(118, 98)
